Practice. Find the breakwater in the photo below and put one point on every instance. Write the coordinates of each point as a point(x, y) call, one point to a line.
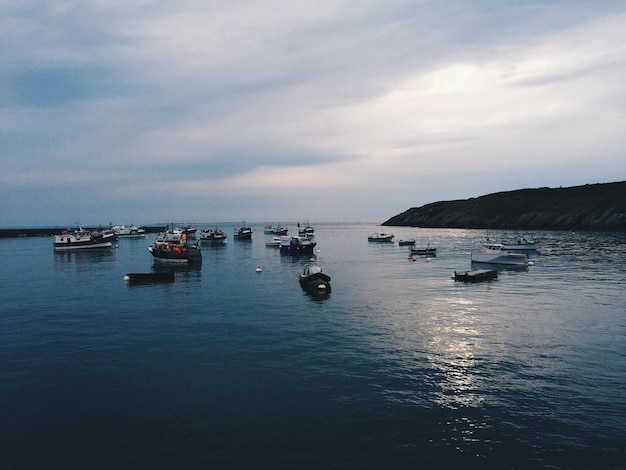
point(50, 231)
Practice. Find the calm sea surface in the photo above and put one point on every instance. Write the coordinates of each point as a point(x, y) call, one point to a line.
point(400, 367)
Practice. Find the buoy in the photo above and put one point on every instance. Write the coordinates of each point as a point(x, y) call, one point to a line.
point(258, 269)
point(429, 259)
point(126, 278)
point(414, 258)
point(453, 276)
point(530, 263)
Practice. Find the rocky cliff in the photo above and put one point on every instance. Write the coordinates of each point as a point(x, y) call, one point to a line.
point(588, 207)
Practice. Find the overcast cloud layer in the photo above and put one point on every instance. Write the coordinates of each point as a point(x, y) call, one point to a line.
point(131, 111)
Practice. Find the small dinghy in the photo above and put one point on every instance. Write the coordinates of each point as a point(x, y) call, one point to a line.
point(149, 278)
point(475, 275)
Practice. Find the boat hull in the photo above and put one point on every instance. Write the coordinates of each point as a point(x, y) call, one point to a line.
point(190, 254)
point(149, 278)
point(510, 259)
point(65, 242)
point(316, 282)
point(476, 275)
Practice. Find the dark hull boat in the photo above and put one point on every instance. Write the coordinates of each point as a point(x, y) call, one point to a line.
point(296, 246)
point(242, 233)
point(172, 246)
point(424, 251)
point(475, 275)
point(313, 279)
point(149, 278)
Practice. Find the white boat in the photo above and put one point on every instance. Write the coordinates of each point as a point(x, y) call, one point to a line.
point(380, 237)
point(81, 239)
point(273, 243)
point(128, 232)
point(494, 253)
point(214, 236)
point(521, 245)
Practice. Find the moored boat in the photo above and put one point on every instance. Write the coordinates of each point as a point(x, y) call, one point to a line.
point(82, 238)
point(242, 233)
point(273, 243)
point(291, 245)
point(406, 242)
point(275, 230)
point(214, 236)
point(494, 253)
point(173, 246)
point(313, 279)
point(128, 232)
point(380, 237)
point(428, 251)
point(475, 275)
point(521, 245)
point(307, 229)
point(149, 278)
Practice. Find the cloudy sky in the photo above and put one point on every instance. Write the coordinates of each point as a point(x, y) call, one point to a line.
point(142, 111)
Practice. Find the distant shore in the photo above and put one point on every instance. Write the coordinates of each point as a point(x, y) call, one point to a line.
point(50, 231)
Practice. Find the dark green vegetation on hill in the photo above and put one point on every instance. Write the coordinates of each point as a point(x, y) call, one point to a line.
point(588, 207)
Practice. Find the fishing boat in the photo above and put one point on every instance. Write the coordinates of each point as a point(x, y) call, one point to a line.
point(214, 236)
point(380, 237)
point(292, 245)
point(81, 239)
point(242, 233)
point(313, 279)
point(306, 229)
point(406, 242)
point(128, 232)
point(275, 230)
point(173, 246)
point(494, 253)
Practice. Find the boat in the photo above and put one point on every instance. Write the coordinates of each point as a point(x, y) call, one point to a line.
point(494, 253)
point(149, 278)
point(188, 228)
point(313, 279)
point(214, 236)
point(275, 230)
point(242, 233)
point(308, 229)
point(172, 246)
point(475, 275)
point(380, 237)
point(81, 239)
point(292, 245)
point(521, 244)
point(428, 251)
point(273, 243)
point(406, 242)
point(128, 232)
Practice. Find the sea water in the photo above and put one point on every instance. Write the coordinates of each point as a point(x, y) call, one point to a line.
point(399, 367)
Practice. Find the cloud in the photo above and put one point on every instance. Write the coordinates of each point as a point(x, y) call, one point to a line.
point(371, 108)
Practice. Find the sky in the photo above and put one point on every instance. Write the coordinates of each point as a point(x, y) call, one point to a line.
point(141, 111)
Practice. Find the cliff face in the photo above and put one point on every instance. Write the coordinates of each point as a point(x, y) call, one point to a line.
point(588, 207)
